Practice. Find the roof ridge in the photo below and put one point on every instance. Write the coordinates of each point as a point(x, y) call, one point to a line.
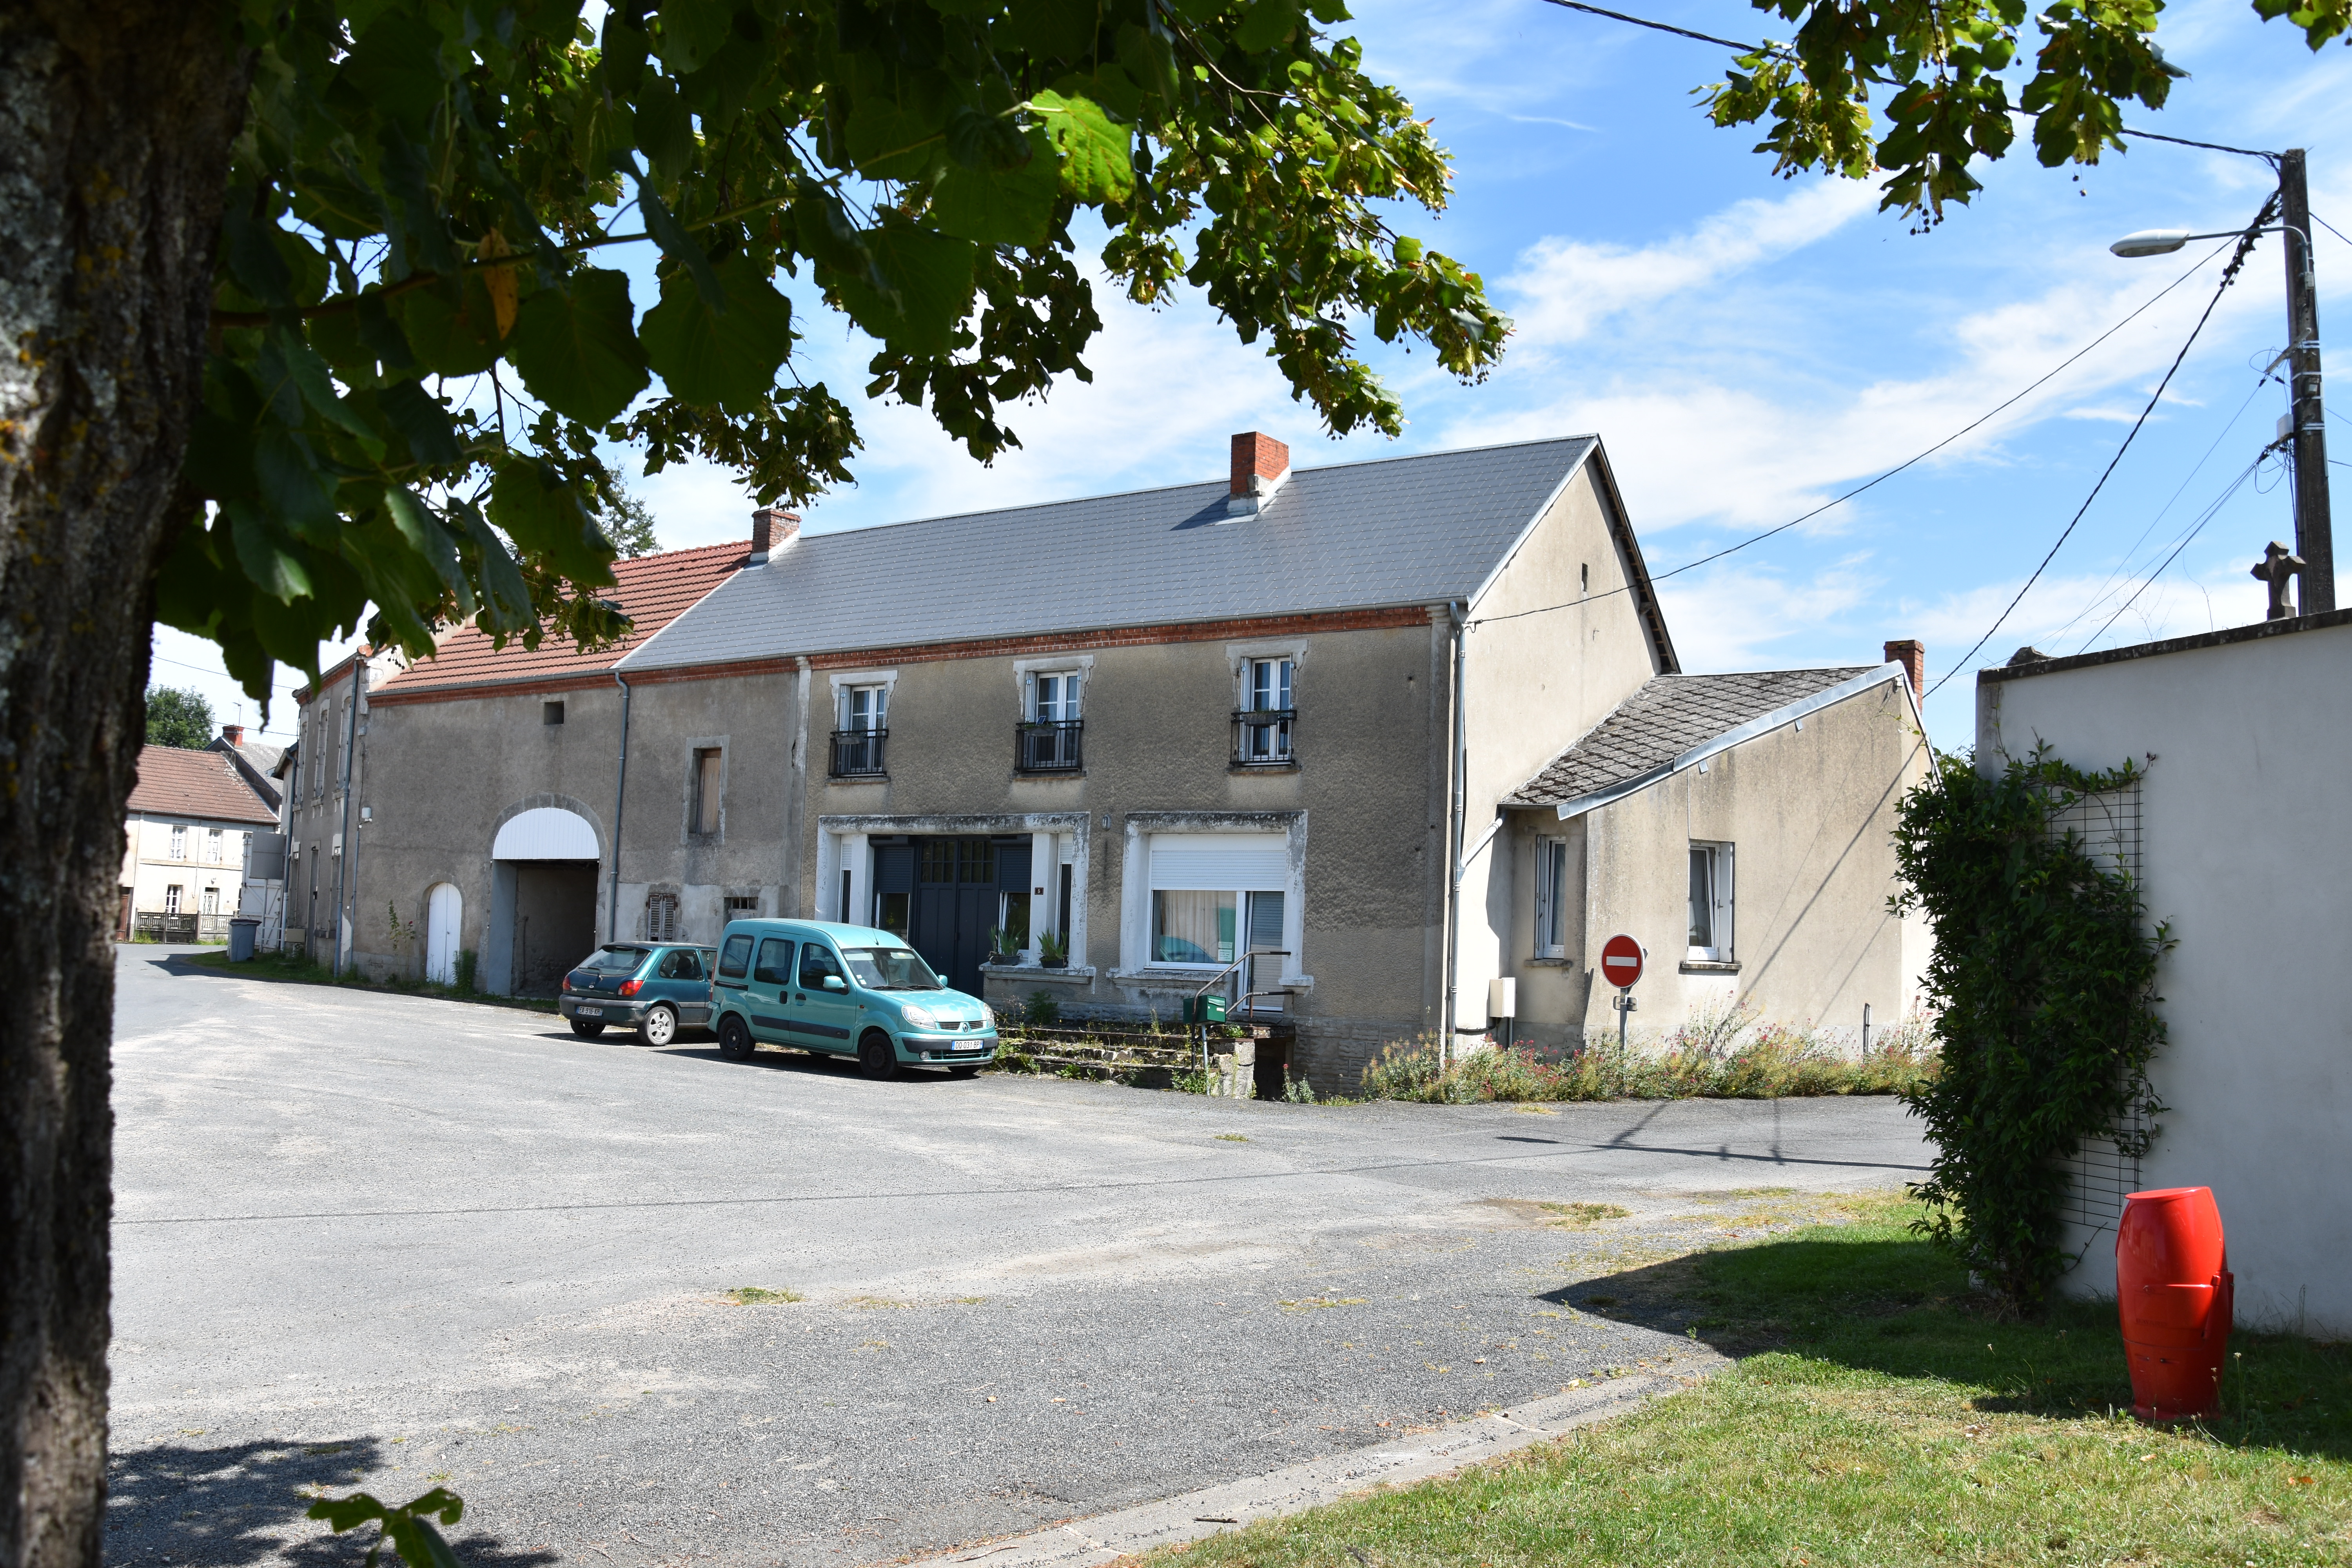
point(1189, 484)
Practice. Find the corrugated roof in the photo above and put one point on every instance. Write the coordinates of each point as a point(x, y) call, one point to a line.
point(175, 781)
point(1669, 715)
point(1399, 530)
point(653, 589)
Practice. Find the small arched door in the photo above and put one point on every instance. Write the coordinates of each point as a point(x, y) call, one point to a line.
point(445, 910)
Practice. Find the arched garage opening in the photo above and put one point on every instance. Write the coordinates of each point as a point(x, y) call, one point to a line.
point(542, 900)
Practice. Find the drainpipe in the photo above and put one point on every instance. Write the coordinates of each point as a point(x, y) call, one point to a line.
point(344, 861)
point(620, 794)
point(1458, 614)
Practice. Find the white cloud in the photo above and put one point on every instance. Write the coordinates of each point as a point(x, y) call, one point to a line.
point(1757, 618)
point(1567, 287)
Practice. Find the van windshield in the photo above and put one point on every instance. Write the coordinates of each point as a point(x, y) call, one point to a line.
point(891, 969)
point(613, 960)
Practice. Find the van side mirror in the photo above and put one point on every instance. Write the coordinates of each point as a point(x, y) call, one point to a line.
point(835, 982)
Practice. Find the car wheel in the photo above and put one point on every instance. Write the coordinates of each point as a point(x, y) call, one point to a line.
point(587, 1029)
point(875, 1057)
point(659, 1027)
point(735, 1038)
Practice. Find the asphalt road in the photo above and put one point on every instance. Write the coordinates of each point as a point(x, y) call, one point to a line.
point(391, 1242)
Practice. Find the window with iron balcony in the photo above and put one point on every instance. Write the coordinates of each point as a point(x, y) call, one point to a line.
point(1263, 724)
point(1049, 740)
point(857, 744)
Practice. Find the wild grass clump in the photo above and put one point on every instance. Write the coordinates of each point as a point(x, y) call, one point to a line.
point(1711, 1058)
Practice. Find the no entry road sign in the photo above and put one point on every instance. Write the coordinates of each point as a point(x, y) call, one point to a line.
point(1621, 961)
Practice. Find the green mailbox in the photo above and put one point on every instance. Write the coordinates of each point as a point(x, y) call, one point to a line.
point(1204, 1009)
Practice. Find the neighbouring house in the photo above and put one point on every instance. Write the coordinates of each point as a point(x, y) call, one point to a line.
point(183, 852)
point(2234, 830)
point(1226, 735)
point(319, 775)
point(262, 896)
point(1779, 790)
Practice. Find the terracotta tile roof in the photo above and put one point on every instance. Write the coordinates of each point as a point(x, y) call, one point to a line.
point(653, 589)
point(1664, 719)
point(177, 782)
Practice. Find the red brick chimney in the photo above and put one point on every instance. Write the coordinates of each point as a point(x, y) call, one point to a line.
point(232, 733)
point(1260, 465)
point(771, 526)
point(1913, 657)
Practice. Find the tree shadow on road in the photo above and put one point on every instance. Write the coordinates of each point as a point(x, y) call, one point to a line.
point(245, 1503)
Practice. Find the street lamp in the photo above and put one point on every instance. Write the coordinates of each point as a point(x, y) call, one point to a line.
point(2313, 535)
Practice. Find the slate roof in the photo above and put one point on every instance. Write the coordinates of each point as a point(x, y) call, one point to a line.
point(261, 762)
point(176, 780)
point(1397, 531)
point(1670, 715)
point(654, 589)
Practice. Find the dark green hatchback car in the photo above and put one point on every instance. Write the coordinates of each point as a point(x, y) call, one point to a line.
point(654, 987)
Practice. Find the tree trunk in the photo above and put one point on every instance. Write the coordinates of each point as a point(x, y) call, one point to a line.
point(116, 118)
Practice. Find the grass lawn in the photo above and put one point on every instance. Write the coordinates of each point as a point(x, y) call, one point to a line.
point(1877, 1417)
point(304, 970)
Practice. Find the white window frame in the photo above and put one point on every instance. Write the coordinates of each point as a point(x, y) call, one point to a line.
point(179, 841)
point(212, 845)
point(171, 893)
point(1723, 877)
point(1079, 668)
point(1135, 892)
point(1551, 897)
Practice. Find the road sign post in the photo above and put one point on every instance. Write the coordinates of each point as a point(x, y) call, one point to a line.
point(1621, 965)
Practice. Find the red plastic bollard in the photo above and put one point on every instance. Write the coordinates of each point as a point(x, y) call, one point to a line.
point(2174, 1292)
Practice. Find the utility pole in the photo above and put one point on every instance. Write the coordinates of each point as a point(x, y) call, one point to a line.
point(2313, 536)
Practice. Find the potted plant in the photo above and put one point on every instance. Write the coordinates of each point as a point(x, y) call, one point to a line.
point(1053, 950)
point(1003, 947)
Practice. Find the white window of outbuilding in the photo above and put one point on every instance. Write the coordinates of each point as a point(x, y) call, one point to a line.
point(1711, 901)
point(1551, 898)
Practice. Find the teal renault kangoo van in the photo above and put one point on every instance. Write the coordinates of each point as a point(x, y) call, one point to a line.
point(841, 990)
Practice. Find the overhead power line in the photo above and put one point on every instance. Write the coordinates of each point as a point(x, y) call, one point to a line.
point(2229, 275)
point(1908, 462)
point(2212, 509)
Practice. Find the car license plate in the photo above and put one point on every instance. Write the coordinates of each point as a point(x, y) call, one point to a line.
point(590, 1012)
point(965, 1046)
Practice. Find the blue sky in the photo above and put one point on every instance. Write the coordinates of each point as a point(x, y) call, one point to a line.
point(1748, 348)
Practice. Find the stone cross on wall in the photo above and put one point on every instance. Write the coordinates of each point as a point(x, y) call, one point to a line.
point(2278, 564)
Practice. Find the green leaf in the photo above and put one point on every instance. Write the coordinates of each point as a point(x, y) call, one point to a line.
point(396, 69)
point(422, 420)
point(927, 294)
point(898, 139)
point(219, 464)
point(692, 31)
point(679, 246)
point(506, 597)
point(1268, 23)
point(1108, 85)
point(1000, 207)
point(451, 338)
point(285, 472)
point(543, 514)
point(576, 348)
point(1056, 29)
point(665, 130)
point(267, 554)
point(429, 537)
point(725, 357)
point(621, 63)
point(310, 373)
point(1097, 156)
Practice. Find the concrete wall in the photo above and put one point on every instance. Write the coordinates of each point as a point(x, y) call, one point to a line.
point(1533, 686)
point(1809, 813)
point(1358, 808)
point(440, 778)
point(2247, 745)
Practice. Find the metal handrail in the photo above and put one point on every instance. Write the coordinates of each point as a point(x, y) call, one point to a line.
point(1248, 992)
point(867, 740)
point(1049, 746)
point(1280, 720)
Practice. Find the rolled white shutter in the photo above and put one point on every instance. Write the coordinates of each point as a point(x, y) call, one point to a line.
point(1241, 862)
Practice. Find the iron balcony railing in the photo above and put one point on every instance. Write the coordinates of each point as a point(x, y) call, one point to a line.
point(857, 754)
point(1262, 737)
point(1048, 746)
